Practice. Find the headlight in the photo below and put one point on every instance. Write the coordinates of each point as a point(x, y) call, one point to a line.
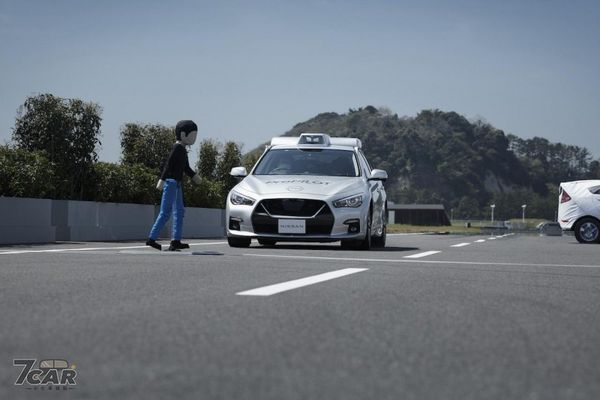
point(240, 200)
point(352, 201)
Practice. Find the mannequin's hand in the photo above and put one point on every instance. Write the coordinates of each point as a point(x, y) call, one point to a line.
point(197, 179)
point(160, 184)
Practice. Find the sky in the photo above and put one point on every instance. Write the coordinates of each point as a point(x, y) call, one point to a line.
point(250, 70)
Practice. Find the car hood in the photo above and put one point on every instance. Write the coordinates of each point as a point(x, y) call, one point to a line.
point(285, 185)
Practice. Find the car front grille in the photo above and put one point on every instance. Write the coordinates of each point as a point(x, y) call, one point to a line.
point(318, 216)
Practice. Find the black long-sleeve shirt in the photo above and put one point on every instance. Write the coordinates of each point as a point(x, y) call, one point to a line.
point(177, 164)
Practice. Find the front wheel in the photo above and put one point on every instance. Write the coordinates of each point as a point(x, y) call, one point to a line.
point(364, 244)
point(587, 230)
point(238, 242)
point(379, 241)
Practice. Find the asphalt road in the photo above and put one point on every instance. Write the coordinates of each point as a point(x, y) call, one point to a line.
point(514, 317)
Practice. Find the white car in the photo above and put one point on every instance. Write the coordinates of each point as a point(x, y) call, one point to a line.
point(311, 188)
point(579, 209)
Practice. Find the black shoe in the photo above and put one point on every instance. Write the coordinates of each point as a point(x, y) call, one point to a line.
point(177, 245)
point(152, 243)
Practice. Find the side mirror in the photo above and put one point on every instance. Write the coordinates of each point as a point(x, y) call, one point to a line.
point(378, 175)
point(238, 172)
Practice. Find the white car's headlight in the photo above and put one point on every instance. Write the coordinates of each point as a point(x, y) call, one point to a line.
point(240, 200)
point(352, 201)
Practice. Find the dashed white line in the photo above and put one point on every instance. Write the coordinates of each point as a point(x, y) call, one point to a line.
point(480, 241)
point(297, 283)
point(460, 245)
point(93, 249)
point(424, 254)
point(396, 261)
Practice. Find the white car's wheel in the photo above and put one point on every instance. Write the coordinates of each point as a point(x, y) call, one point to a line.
point(367, 242)
point(587, 230)
point(364, 244)
point(379, 241)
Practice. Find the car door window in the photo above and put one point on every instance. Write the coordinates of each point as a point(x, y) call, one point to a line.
point(595, 190)
point(364, 163)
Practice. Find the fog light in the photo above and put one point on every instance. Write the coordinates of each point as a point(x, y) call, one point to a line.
point(353, 225)
point(234, 223)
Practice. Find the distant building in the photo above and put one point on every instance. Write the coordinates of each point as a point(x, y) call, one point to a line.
point(418, 214)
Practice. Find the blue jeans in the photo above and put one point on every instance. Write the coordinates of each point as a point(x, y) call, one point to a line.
point(172, 196)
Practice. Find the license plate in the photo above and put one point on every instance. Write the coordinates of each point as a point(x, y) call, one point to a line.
point(297, 226)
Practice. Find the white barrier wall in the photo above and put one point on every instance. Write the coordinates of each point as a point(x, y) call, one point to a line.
point(25, 220)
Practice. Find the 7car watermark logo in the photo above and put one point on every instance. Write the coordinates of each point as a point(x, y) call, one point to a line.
point(47, 375)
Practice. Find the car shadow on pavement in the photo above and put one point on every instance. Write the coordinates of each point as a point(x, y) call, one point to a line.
point(304, 247)
point(393, 249)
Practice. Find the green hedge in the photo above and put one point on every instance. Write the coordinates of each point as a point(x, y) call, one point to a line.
point(30, 174)
point(25, 174)
point(120, 183)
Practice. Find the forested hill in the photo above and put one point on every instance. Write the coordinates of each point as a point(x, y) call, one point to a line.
point(441, 157)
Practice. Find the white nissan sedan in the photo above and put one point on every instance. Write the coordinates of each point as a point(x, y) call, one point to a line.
point(311, 188)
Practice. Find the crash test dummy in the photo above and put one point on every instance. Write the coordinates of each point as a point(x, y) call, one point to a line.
point(170, 184)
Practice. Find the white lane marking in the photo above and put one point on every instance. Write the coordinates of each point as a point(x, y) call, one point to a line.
point(297, 283)
point(480, 241)
point(94, 248)
point(424, 254)
point(492, 238)
point(384, 260)
point(460, 245)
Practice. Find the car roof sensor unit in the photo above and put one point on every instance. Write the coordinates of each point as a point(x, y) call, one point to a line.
point(314, 139)
point(305, 139)
point(343, 141)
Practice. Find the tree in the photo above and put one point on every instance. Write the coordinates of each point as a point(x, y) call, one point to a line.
point(67, 131)
point(146, 144)
point(250, 159)
point(468, 208)
point(230, 158)
point(25, 173)
point(594, 170)
point(208, 155)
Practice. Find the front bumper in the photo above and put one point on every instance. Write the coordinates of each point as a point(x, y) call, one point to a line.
point(327, 225)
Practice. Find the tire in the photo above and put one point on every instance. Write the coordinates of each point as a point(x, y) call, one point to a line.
point(379, 241)
point(367, 243)
point(364, 244)
point(587, 230)
point(238, 242)
point(266, 242)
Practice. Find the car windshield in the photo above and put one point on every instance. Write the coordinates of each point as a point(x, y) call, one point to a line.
point(322, 162)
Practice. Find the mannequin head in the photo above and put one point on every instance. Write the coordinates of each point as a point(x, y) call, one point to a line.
point(186, 132)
